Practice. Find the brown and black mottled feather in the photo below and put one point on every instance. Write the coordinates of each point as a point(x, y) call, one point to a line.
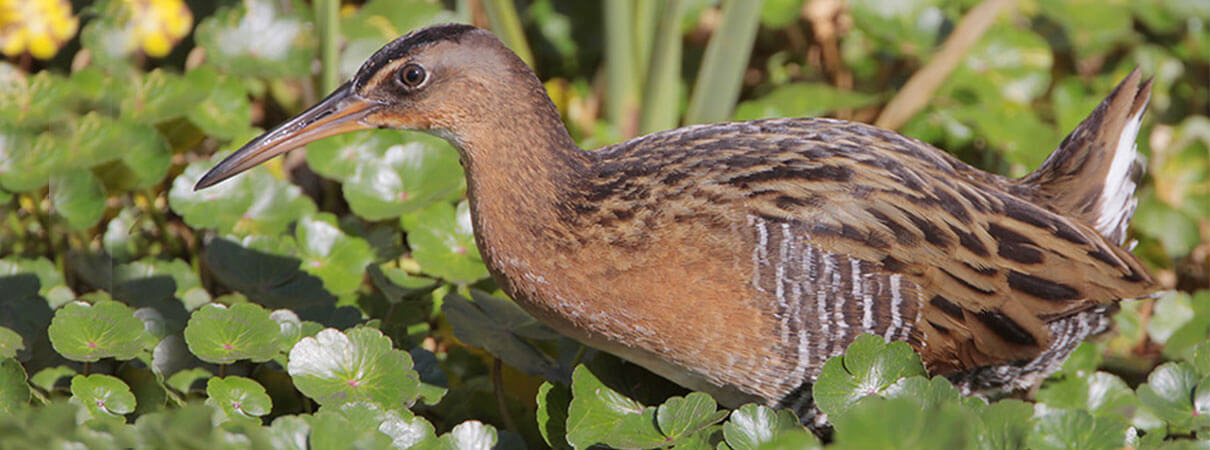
point(987, 269)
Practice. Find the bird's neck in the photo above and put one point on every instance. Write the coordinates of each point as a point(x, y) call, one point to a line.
point(518, 165)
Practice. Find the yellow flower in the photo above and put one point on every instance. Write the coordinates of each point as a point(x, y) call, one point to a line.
point(159, 24)
point(39, 27)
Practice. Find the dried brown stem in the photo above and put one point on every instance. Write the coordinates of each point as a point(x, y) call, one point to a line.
point(915, 94)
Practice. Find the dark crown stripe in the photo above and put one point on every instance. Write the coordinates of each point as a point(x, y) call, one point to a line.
point(404, 45)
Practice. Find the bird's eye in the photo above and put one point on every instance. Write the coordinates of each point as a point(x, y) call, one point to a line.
point(412, 75)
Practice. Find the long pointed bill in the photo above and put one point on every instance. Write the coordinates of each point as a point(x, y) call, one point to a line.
point(341, 112)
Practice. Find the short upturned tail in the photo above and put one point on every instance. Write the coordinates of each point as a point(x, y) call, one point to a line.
point(1093, 174)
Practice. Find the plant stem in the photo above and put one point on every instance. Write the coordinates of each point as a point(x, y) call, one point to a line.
point(328, 14)
point(575, 360)
point(622, 96)
point(661, 101)
point(722, 73)
point(646, 16)
point(498, 388)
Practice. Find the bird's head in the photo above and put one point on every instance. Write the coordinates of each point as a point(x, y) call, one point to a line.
point(434, 80)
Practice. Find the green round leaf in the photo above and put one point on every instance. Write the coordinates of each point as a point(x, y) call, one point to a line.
point(10, 343)
point(1065, 429)
point(327, 252)
point(1098, 392)
point(223, 335)
point(929, 392)
point(78, 198)
point(443, 242)
point(600, 415)
point(1171, 392)
point(1006, 424)
point(107, 329)
point(14, 391)
point(105, 397)
point(753, 425)
point(239, 398)
point(875, 422)
point(679, 417)
point(868, 367)
point(290, 432)
point(335, 368)
point(407, 433)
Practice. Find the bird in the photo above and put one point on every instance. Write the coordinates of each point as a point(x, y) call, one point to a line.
point(736, 258)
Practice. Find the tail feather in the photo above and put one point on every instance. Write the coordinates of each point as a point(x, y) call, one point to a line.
point(1093, 174)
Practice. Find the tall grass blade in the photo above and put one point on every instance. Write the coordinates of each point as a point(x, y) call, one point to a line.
point(328, 15)
point(720, 77)
point(622, 97)
point(661, 99)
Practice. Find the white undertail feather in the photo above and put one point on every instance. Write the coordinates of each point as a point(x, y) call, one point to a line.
point(1117, 199)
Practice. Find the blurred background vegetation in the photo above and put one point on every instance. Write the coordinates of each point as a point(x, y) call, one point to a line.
point(111, 110)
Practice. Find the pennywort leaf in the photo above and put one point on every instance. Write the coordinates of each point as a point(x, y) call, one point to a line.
point(89, 332)
point(222, 335)
point(360, 365)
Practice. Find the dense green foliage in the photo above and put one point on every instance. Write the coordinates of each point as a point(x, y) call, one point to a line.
point(340, 301)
